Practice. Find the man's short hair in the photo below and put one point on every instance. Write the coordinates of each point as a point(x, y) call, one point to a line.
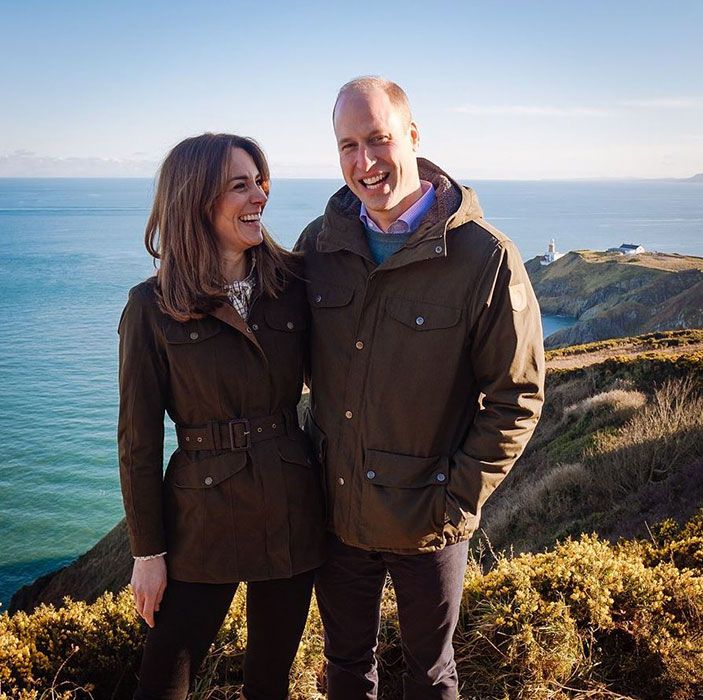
point(366, 83)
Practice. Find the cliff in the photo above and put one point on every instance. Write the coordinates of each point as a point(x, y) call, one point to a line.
point(614, 295)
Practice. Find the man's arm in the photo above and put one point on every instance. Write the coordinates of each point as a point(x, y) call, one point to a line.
point(508, 363)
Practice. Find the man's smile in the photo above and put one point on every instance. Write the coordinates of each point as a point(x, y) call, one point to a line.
point(373, 183)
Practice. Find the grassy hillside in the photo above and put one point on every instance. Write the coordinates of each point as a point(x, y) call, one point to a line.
point(613, 295)
point(619, 446)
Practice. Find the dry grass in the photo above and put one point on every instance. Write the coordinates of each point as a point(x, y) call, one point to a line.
point(665, 434)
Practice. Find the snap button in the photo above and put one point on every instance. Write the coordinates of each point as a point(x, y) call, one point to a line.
point(255, 326)
point(248, 329)
point(370, 474)
point(273, 425)
point(348, 415)
point(318, 298)
point(200, 439)
point(419, 320)
point(259, 430)
point(359, 344)
point(208, 480)
point(290, 325)
point(187, 439)
point(194, 335)
point(441, 477)
point(438, 249)
point(340, 481)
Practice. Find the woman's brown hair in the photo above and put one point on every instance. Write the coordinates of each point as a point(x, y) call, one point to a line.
point(179, 232)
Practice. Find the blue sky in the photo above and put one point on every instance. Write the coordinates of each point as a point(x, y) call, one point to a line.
point(509, 90)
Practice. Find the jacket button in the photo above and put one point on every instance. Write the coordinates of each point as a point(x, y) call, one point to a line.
point(318, 298)
point(441, 477)
point(208, 480)
point(419, 320)
point(194, 335)
point(340, 481)
point(290, 325)
point(438, 249)
point(255, 326)
point(370, 474)
point(359, 345)
point(348, 415)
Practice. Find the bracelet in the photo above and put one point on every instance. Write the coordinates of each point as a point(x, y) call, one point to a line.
point(150, 556)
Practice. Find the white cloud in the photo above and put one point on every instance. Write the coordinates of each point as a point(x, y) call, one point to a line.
point(531, 111)
point(665, 103)
point(23, 163)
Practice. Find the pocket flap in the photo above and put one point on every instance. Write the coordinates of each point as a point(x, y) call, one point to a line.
point(294, 452)
point(283, 319)
point(209, 472)
point(405, 471)
point(329, 296)
point(421, 315)
point(190, 332)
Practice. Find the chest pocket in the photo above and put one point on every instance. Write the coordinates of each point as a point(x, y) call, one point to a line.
point(422, 316)
point(190, 332)
point(326, 296)
point(286, 320)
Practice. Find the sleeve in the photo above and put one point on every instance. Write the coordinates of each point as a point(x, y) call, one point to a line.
point(507, 357)
point(143, 374)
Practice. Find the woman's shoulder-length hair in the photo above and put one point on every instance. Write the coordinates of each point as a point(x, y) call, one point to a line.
point(179, 232)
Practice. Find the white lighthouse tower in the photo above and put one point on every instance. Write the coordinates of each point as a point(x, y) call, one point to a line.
point(551, 255)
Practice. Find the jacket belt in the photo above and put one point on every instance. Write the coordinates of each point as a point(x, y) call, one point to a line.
point(235, 434)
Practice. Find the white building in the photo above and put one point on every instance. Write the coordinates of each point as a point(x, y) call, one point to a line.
point(551, 255)
point(628, 249)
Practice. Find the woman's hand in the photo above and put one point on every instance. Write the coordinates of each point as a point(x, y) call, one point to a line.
point(148, 586)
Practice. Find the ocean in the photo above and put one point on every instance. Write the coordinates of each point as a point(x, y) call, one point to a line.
point(70, 249)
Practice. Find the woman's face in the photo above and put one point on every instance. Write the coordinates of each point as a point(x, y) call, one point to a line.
point(237, 215)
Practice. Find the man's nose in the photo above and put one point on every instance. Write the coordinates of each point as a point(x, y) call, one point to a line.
point(364, 159)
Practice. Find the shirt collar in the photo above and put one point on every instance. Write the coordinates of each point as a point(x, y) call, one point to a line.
point(410, 219)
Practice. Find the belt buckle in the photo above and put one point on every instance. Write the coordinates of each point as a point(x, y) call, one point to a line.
point(247, 434)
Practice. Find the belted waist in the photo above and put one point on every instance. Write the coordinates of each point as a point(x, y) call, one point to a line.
point(237, 433)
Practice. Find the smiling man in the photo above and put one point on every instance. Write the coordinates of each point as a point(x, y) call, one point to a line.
point(427, 376)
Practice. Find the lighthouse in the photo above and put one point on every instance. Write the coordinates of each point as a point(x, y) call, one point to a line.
point(551, 255)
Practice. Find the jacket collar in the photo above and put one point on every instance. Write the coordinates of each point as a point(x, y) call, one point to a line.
point(455, 205)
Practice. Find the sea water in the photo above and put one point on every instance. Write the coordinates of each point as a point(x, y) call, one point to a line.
point(71, 249)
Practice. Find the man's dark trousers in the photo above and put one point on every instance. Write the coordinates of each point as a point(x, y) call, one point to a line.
point(428, 589)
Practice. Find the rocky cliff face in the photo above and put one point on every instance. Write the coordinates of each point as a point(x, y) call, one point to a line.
point(616, 296)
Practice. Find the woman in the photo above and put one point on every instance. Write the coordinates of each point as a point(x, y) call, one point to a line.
point(217, 340)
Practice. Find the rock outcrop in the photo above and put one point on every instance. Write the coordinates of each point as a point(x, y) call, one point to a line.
point(614, 296)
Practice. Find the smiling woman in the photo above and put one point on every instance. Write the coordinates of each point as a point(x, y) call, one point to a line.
point(218, 340)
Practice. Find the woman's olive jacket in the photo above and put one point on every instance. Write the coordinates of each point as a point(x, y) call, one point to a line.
point(240, 500)
point(427, 370)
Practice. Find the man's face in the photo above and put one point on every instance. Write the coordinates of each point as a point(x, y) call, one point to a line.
point(377, 148)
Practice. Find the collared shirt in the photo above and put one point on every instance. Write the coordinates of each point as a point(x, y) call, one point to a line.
point(410, 219)
point(240, 291)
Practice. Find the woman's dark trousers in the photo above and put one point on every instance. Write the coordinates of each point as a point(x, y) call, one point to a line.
point(191, 614)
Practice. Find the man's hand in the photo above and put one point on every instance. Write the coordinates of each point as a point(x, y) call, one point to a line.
point(148, 586)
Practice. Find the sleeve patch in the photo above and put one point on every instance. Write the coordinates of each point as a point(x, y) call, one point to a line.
point(518, 296)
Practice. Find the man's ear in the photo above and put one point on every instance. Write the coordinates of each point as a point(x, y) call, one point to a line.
point(414, 135)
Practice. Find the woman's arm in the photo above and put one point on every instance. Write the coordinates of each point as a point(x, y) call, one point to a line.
point(143, 389)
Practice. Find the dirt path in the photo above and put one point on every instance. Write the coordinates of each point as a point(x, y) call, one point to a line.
point(592, 358)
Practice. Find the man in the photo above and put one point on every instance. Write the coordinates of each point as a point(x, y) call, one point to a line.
point(427, 381)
